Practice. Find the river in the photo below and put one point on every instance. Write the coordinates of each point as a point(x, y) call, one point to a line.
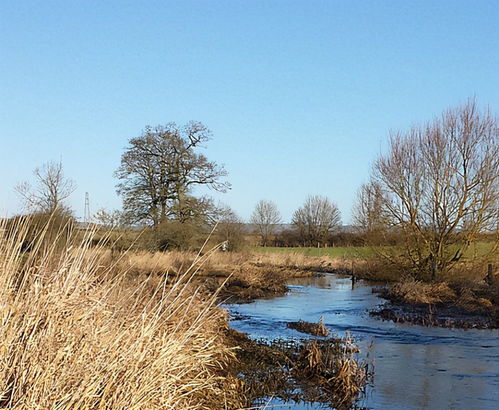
point(415, 367)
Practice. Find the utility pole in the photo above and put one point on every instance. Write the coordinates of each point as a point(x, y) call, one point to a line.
point(86, 214)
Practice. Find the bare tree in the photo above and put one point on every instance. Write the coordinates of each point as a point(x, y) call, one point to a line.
point(368, 215)
point(111, 219)
point(50, 191)
point(159, 169)
point(230, 229)
point(266, 217)
point(439, 185)
point(316, 219)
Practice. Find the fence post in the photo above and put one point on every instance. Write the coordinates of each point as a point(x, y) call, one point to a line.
point(490, 274)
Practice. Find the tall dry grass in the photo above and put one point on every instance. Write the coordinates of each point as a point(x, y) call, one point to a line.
point(77, 333)
point(176, 262)
point(417, 292)
point(228, 263)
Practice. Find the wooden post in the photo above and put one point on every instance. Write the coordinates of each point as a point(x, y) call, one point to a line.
point(490, 274)
point(433, 268)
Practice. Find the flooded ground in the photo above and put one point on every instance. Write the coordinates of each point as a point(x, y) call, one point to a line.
point(415, 367)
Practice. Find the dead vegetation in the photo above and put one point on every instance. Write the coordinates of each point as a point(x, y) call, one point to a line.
point(82, 328)
point(315, 329)
point(78, 332)
point(461, 303)
point(416, 292)
point(242, 276)
point(324, 371)
point(225, 263)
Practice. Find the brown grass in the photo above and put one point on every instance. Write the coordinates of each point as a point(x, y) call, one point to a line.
point(242, 276)
point(78, 332)
point(226, 263)
point(335, 368)
point(468, 295)
point(299, 261)
point(316, 329)
point(416, 292)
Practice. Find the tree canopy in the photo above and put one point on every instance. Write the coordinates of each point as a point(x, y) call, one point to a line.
point(265, 217)
point(160, 168)
point(316, 218)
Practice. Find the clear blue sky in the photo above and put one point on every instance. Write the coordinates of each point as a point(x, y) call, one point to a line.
point(300, 95)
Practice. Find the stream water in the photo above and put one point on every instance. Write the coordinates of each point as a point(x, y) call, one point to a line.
point(415, 367)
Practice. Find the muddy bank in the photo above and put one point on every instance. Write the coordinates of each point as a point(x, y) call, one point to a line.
point(251, 283)
point(466, 306)
point(246, 288)
point(431, 315)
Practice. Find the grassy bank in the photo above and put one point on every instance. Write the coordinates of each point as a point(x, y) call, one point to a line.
point(241, 276)
point(464, 304)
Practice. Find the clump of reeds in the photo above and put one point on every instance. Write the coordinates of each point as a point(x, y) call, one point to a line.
point(316, 329)
point(320, 371)
point(77, 333)
point(334, 369)
point(417, 292)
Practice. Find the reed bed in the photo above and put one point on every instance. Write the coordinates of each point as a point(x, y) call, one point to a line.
point(225, 264)
point(417, 292)
point(77, 331)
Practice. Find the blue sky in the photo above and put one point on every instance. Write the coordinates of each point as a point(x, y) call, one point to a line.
point(300, 95)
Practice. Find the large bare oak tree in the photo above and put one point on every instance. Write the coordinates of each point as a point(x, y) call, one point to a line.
point(159, 170)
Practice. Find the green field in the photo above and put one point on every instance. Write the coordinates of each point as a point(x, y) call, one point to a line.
point(352, 252)
point(335, 252)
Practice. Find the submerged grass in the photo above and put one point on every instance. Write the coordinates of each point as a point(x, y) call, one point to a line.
point(322, 371)
point(78, 332)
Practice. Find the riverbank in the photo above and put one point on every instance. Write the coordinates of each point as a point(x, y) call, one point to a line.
point(234, 276)
point(445, 304)
point(241, 277)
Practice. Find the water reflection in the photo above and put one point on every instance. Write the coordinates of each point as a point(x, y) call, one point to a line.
point(416, 367)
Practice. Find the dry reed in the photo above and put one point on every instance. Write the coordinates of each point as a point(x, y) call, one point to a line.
point(77, 332)
point(316, 329)
point(416, 292)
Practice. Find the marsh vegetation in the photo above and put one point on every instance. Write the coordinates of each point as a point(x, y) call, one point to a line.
point(124, 312)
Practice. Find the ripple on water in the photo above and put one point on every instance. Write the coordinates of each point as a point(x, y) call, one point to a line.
point(435, 368)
